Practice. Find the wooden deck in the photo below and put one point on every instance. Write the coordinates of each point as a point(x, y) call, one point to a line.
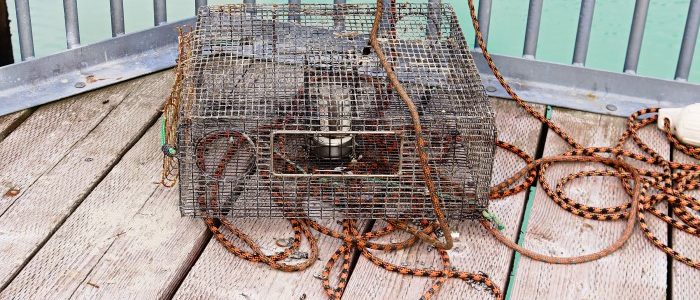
point(82, 216)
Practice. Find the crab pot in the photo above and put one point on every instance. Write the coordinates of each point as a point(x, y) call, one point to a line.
point(287, 112)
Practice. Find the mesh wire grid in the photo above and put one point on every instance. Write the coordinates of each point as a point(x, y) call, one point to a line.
point(287, 112)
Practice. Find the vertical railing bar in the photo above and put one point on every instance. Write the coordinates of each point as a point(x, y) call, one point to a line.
point(690, 37)
point(583, 33)
point(250, 2)
point(70, 16)
point(384, 23)
point(532, 29)
point(434, 18)
point(634, 45)
point(160, 13)
point(24, 29)
point(116, 10)
point(294, 10)
point(198, 4)
point(339, 20)
point(484, 15)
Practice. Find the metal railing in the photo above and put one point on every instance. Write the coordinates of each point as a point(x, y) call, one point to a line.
point(70, 13)
point(578, 61)
point(532, 28)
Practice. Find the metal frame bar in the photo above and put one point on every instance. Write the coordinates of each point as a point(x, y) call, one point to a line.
point(70, 14)
point(634, 45)
point(532, 29)
point(24, 29)
point(583, 32)
point(690, 37)
point(116, 8)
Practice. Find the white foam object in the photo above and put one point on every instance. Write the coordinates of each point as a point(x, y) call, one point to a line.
point(685, 123)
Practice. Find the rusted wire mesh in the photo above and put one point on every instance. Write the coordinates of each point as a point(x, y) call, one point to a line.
point(285, 111)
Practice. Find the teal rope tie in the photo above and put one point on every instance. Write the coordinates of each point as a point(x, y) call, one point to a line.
point(168, 150)
point(494, 220)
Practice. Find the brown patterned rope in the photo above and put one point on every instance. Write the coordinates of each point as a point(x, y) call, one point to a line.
point(171, 110)
point(665, 179)
point(420, 141)
point(257, 255)
point(351, 241)
point(670, 185)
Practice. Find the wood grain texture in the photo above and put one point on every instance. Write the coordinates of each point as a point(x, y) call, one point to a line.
point(637, 270)
point(219, 274)
point(42, 140)
point(475, 250)
point(126, 239)
point(44, 205)
point(684, 279)
point(11, 121)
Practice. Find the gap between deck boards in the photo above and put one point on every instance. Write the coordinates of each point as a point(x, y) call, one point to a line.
point(66, 181)
point(599, 286)
point(527, 208)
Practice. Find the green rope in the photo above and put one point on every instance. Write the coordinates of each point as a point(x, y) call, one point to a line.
point(168, 150)
point(162, 131)
point(493, 219)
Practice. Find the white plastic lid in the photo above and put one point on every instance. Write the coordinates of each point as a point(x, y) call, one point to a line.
point(685, 123)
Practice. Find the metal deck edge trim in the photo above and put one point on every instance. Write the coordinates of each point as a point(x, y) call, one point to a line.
point(43, 80)
point(580, 88)
point(50, 78)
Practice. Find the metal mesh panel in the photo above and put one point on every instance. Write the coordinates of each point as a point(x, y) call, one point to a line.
point(286, 112)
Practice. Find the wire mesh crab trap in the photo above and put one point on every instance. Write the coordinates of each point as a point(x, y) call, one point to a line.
point(286, 112)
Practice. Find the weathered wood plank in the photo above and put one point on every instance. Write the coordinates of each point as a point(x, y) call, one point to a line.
point(125, 240)
point(638, 269)
point(44, 205)
point(11, 121)
point(684, 279)
point(475, 250)
point(48, 134)
point(219, 274)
